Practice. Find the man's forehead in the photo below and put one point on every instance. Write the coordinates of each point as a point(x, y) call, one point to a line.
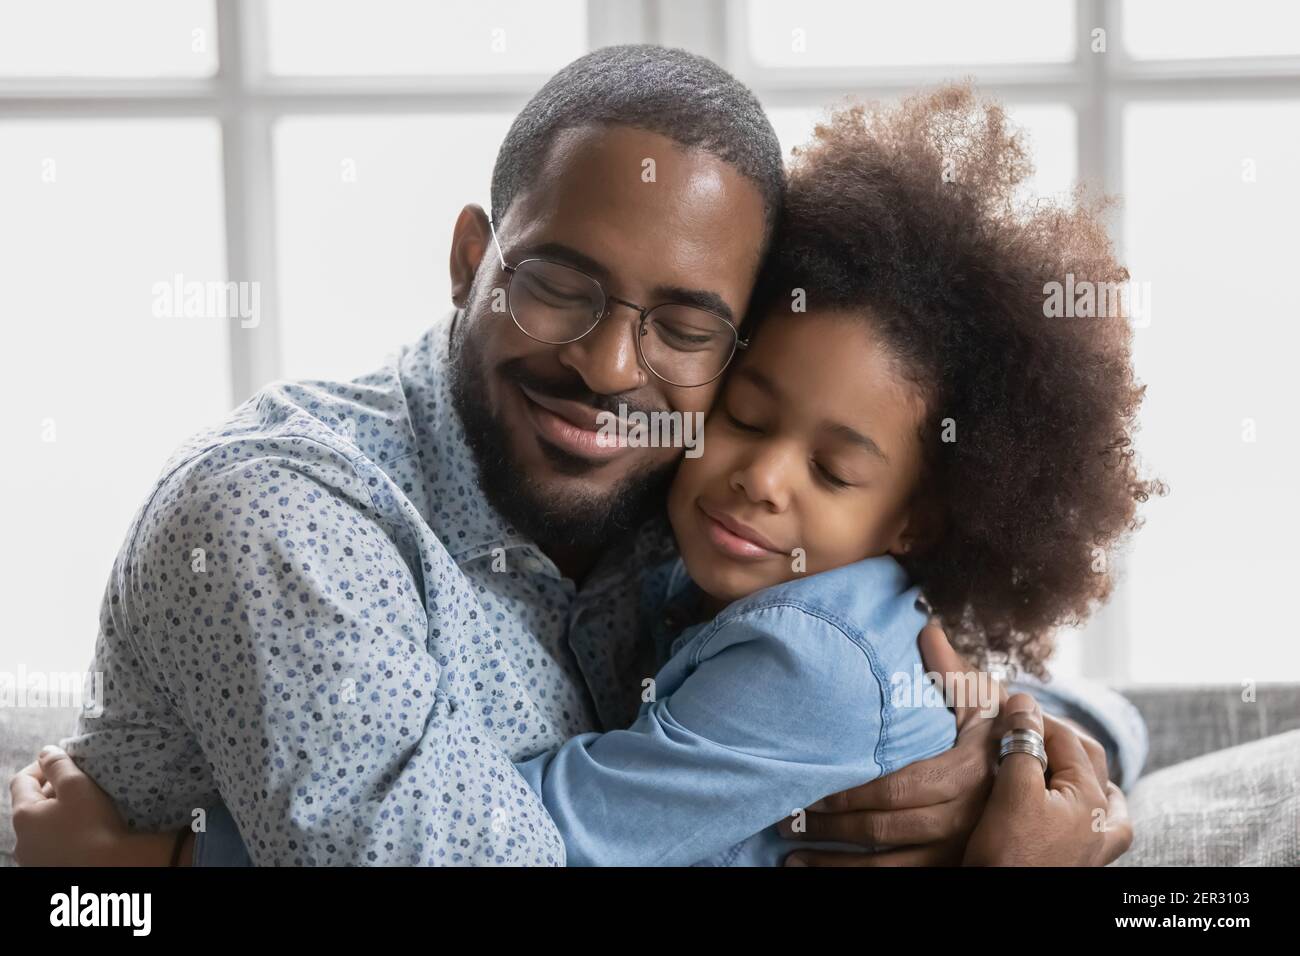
point(620, 193)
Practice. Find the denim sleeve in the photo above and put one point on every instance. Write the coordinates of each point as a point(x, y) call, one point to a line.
point(759, 717)
point(219, 843)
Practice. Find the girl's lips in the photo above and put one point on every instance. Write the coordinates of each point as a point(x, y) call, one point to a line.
point(734, 538)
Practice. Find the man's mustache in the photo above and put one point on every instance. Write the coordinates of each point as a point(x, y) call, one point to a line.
point(574, 389)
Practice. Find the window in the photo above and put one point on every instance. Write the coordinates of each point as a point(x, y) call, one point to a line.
point(102, 380)
point(875, 36)
point(364, 209)
point(1218, 356)
point(126, 38)
point(416, 38)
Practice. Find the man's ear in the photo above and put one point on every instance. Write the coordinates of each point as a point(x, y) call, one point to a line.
point(469, 243)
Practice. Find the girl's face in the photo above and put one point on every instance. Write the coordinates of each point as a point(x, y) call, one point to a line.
point(814, 444)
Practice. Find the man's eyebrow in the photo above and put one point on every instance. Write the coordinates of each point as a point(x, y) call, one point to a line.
point(569, 256)
point(699, 298)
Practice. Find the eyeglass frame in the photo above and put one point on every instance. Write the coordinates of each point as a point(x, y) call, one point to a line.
point(739, 344)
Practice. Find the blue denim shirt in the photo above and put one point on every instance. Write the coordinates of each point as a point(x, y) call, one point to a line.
point(785, 697)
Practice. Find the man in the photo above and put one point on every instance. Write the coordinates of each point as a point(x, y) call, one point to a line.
point(344, 612)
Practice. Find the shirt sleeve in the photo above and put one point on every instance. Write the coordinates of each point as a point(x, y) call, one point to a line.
point(272, 607)
point(781, 708)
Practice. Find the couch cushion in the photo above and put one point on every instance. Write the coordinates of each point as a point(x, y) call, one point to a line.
point(1234, 807)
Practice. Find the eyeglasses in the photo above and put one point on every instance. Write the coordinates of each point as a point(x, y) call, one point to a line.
point(557, 304)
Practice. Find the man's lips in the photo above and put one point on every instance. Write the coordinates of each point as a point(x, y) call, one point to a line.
point(571, 425)
point(734, 536)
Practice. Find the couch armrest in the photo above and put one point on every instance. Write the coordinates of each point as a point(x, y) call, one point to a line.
point(1187, 721)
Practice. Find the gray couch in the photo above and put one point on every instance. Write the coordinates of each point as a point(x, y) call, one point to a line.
point(1221, 784)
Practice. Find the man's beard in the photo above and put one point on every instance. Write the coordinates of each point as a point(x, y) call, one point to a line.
point(579, 520)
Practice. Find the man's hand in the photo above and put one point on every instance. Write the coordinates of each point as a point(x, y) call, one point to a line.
point(1073, 819)
point(62, 818)
point(927, 811)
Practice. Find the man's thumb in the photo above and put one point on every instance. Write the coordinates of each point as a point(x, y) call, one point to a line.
point(57, 766)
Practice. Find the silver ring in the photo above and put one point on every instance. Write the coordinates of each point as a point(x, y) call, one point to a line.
point(1023, 742)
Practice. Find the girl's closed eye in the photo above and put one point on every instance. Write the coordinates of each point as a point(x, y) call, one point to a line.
point(738, 424)
point(830, 478)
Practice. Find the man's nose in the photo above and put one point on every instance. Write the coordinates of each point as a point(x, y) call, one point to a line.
point(607, 357)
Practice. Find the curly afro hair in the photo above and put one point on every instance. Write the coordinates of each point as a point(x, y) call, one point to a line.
point(910, 216)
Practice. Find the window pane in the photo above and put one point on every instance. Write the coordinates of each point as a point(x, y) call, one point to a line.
point(94, 38)
point(365, 209)
point(98, 390)
point(1211, 202)
point(820, 33)
point(1050, 130)
point(1193, 29)
point(404, 37)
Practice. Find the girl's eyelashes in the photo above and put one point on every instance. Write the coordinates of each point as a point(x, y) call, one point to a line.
point(824, 474)
point(829, 477)
point(737, 423)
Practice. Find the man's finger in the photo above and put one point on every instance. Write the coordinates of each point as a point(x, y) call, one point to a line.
point(1119, 828)
point(58, 768)
point(1095, 751)
point(935, 854)
point(881, 828)
point(959, 676)
point(1019, 774)
point(1071, 767)
point(925, 783)
point(25, 787)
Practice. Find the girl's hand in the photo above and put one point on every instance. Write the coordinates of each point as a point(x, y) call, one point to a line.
point(62, 818)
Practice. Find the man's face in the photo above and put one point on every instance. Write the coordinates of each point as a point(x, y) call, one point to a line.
point(693, 234)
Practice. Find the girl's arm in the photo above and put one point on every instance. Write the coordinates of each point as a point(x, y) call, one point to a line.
point(779, 707)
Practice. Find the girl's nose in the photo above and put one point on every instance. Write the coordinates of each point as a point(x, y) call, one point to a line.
point(765, 478)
